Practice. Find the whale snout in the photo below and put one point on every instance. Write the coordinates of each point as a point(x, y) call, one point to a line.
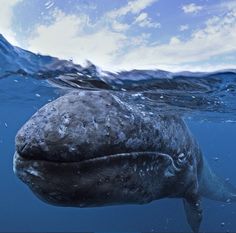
point(78, 127)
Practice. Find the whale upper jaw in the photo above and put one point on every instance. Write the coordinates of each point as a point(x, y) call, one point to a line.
point(126, 178)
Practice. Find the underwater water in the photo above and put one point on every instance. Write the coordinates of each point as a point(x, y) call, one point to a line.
point(207, 102)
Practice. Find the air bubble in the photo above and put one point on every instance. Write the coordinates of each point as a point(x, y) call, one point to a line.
point(222, 224)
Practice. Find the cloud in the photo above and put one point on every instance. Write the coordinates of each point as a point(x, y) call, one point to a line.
point(67, 38)
point(141, 17)
point(184, 27)
point(6, 13)
point(217, 38)
point(117, 26)
point(144, 21)
point(133, 7)
point(191, 8)
point(226, 5)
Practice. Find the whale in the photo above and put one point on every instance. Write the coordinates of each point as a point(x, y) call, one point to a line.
point(93, 148)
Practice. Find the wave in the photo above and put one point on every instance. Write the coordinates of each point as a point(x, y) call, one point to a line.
point(204, 94)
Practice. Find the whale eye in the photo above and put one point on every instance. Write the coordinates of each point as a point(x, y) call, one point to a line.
point(182, 158)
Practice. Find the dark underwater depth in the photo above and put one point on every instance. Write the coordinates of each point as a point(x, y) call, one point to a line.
point(207, 102)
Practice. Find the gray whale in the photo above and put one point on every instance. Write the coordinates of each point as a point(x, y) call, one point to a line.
point(91, 148)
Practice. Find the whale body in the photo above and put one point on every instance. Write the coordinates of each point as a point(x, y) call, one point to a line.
point(91, 148)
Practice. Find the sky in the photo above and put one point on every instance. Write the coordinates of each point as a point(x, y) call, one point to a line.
point(173, 35)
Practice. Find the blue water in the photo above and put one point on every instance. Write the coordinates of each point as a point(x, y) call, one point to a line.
point(206, 101)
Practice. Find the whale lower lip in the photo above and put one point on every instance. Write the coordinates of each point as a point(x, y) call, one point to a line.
point(99, 181)
point(91, 182)
point(27, 168)
point(32, 171)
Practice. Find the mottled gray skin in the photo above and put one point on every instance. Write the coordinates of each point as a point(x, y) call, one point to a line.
point(90, 148)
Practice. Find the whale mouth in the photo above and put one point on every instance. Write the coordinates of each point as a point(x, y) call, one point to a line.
point(106, 180)
point(93, 159)
point(33, 166)
point(18, 158)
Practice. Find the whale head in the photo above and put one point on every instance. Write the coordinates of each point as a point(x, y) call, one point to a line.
point(89, 148)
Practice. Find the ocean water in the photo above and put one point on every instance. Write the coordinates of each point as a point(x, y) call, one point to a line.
point(207, 102)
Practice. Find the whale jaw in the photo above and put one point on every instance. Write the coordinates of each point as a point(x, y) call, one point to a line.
point(128, 178)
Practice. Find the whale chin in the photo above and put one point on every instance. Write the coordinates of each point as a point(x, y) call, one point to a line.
point(126, 178)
